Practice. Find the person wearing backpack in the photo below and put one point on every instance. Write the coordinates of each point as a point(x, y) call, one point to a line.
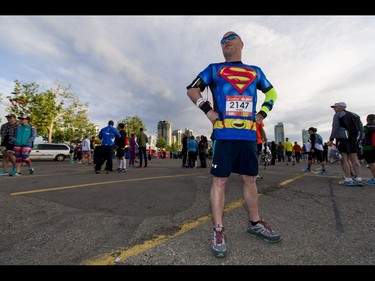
point(316, 152)
point(319, 138)
point(369, 146)
point(347, 129)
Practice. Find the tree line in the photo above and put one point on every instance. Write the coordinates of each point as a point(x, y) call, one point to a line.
point(57, 113)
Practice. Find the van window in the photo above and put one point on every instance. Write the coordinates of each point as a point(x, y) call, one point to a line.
point(51, 147)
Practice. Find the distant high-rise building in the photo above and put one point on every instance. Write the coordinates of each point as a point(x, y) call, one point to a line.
point(188, 132)
point(279, 133)
point(152, 141)
point(177, 136)
point(165, 131)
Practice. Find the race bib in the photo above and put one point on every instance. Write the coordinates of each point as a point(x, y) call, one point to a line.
point(239, 106)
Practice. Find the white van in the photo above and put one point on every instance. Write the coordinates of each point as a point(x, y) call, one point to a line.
point(50, 151)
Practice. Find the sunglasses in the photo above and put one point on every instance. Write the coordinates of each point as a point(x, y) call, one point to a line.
point(229, 37)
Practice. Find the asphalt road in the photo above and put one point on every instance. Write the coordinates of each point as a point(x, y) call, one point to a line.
point(65, 214)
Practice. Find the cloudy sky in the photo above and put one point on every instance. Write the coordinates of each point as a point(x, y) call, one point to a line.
point(140, 65)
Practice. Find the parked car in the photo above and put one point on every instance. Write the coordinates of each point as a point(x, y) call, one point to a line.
point(50, 151)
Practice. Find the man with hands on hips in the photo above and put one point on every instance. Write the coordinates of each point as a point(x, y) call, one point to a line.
point(234, 87)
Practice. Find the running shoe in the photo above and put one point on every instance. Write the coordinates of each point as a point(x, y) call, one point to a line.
point(4, 173)
point(264, 231)
point(358, 182)
point(322, 172)
point(218, 247)
point(370, 182)
point(31, 170)
point(307, 170)
point(347, 183)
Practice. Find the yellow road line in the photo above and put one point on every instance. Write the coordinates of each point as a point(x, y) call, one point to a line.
point(283, 183)
point(122, 254)
point(99, 183)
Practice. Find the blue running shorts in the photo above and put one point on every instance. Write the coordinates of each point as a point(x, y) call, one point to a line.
point(234, 156)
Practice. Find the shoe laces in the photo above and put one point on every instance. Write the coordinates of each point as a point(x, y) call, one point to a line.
point(266, 225)
point(219, 237)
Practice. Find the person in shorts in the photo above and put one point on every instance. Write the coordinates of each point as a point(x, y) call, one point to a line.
point(23, 143)
point(8, 132)
point(234, 86)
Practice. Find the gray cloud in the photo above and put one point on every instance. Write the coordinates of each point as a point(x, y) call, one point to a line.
point(140, 65)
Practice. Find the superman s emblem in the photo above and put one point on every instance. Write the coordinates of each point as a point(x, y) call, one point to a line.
point(239, 77)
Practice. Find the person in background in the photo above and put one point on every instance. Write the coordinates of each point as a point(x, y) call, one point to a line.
point(142, 141)
point(107, 136)
point(120, 144)
point(8, 132)
point(86, 151)
point(316, 152)
point(288, 146)
point(297, 150)
point(280, 152)
point(184, 150)
point(23, 143)
point(192, 148)
point(132, 146)
point(92, 147)
point(261, 139)
point(197, 139)
point(71, 151)
point(347, 129)
point(202, 148)
point(273, 152)
point(78, 152)
point(369, 146)
point(234, 87)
